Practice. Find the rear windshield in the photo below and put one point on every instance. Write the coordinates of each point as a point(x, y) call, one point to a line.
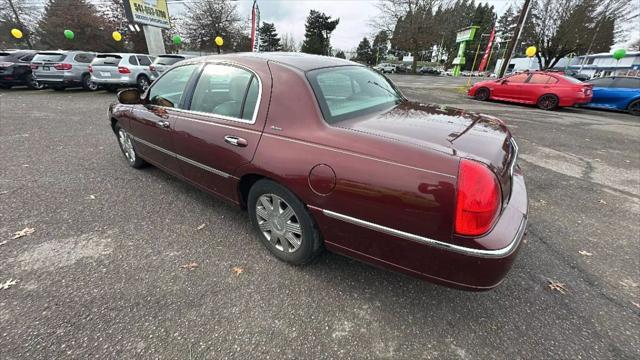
point(346, 92)
point(107, 60)
point(49, 57)
point(571, 79)
point(167, 60)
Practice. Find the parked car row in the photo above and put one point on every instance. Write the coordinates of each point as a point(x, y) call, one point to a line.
point(63, 69)
point(550, 90)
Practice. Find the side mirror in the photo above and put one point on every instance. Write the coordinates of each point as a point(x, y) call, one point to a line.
point(129, 96)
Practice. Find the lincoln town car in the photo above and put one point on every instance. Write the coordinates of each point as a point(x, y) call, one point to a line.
point(325, 153)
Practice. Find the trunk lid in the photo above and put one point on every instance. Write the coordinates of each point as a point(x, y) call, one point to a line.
point(469, 135)
point(105, 66)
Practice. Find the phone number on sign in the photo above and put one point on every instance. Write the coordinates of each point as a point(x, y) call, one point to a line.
point(149, 11)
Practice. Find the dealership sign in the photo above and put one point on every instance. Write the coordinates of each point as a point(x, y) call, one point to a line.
point(148, 12)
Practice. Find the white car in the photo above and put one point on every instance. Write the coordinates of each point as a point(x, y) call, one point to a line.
point(385, 68)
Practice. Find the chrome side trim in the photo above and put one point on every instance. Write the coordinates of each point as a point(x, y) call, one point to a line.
point(515, 157)
point(180, 157)
point(499, 253)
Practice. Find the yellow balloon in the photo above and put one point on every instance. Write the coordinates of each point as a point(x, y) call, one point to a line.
point(219, 41)
point(16, 33)
point(116, 36)
point(531, 51)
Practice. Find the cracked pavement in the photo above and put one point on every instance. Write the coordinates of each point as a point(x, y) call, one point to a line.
point(102, 276)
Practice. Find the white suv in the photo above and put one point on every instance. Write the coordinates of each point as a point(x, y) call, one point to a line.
point(112, 71)
point(385, 68)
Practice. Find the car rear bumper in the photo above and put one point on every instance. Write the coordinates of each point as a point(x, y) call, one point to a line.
point(467, 268)
point(118, 81)
point(58, 79)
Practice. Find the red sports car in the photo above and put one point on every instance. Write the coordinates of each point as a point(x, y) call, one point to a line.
point(326, 153)
point(547, 90)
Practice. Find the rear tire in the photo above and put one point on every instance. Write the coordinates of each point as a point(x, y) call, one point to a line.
point(283, 223)
point(482, 94)
point(87, 84)
point(128, 149)
point(34, 84)
point(548, 102)
point(634, 108)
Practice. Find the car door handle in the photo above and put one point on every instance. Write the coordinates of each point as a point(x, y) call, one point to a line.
point(235, 141)
point(163, 124)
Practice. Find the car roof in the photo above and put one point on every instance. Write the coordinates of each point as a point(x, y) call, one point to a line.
point(300, 61)
point(121, 54)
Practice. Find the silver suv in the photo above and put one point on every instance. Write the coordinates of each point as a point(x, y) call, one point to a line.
point(163, 62)
point(63, 69)
point(116, 70)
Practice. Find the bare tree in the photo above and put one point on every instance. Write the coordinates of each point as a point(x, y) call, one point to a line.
point(288, 43)
point(204, 20)
point(16, 14)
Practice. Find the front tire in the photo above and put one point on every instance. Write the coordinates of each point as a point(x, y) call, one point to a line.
point(548, 102)
point(128, 150)
point(482, 94)
point(283, 223)
point(634, 108)
point(143, 82)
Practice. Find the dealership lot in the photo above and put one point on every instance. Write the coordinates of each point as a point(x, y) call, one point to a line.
point(120, 265)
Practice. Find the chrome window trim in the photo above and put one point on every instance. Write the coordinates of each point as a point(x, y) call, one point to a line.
point(185, 159)
point(498, 253)
point(515, 157)
point(230, 118)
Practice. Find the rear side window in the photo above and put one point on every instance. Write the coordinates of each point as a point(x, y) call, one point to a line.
point(84, 57)
point(167, 91)
point(133, 60)
point(49, 57)
point(27, 58)
point(541, 79)
point(627, 83)
point(226, 91)
point(107, 60)
point(520, 78)
point(143, 60)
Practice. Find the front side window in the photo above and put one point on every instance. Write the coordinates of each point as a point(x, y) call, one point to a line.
point(626, 83)
point(226, 91)
point(349, 91)
point(168, 90)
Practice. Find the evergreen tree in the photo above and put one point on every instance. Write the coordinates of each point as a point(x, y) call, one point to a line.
point(379, 46)
point(364, 53)
point(269, 40)
point(340, 54)
point(318, 29)
point(92, 30)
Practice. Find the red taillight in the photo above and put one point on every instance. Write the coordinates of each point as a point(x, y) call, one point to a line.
point(152, 68)
point(62, 66)
point(90, 68)
point(34, 66)
point(124, 70)
point(479, 198)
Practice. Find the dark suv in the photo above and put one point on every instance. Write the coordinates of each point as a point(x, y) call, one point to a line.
point(15, 69)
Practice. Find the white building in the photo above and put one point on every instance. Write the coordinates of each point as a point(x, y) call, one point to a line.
point(603, 64)
point(525, 63)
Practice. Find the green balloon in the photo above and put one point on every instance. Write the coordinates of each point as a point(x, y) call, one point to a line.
point(69, 34)
point(619, 54)
point(176, 39)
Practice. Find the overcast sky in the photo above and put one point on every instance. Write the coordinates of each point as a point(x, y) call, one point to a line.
point(355, 15)
point(289, 16)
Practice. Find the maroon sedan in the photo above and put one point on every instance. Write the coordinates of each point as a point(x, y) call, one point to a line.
point(325, 153)
point(548, 90)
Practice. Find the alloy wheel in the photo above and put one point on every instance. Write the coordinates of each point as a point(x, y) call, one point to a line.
point(279, 223)
point(143, 82)
point(126, 145)
point(634, 108)
point(548, 102)
point(90, 85)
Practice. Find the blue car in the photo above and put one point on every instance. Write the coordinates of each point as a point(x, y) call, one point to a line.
point(616, 93)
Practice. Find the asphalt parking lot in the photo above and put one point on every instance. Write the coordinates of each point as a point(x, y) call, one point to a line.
point(126, 263)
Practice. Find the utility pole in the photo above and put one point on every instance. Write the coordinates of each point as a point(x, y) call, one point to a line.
point(15, 12)
point(522, 19)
